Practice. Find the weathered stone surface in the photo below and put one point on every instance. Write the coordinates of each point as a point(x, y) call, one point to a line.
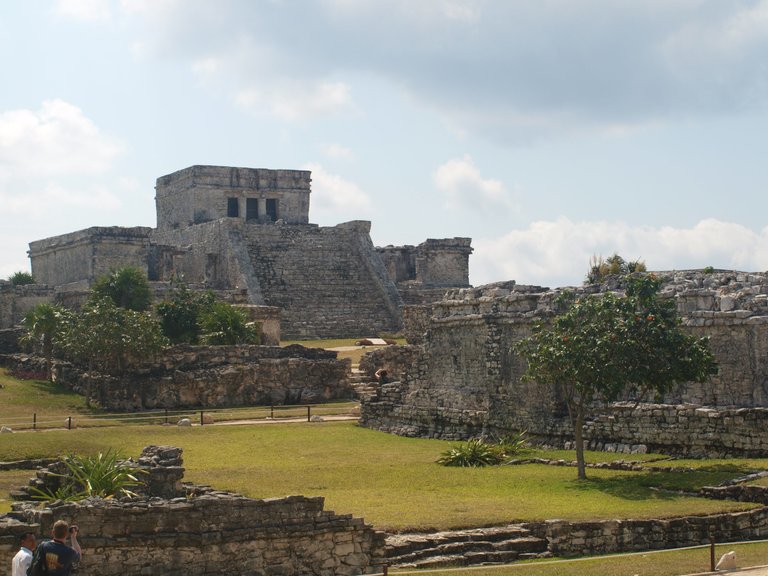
point(465, 380)
point(217, 376)
point(202, 533)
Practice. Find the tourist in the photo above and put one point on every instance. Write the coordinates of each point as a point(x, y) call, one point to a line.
point(59, 557)
point(23, 557)
point(381, 376)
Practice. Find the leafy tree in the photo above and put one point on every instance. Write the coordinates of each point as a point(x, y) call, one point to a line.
point(180, 315)
point(44, 324)
point(222, 323)
point(21, 278)
point(614, 265)
point(603, 344)
point(107, 337)
point(127, 287)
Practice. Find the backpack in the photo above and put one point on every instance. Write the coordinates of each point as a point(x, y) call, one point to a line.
point(37, 568)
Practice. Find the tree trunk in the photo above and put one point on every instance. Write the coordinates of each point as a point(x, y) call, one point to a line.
point(578, 429)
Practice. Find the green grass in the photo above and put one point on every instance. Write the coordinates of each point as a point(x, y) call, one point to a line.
point(20, 399)
point(392, 482)
point(663, 563)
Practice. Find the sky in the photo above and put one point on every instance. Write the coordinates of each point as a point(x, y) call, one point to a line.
point(548, 131)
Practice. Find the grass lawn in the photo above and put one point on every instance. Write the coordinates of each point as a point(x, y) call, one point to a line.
point(392, 481)
point(20, 399)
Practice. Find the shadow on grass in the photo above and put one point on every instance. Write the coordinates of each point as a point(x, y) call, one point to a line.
point(661, 485)
point(49, 388)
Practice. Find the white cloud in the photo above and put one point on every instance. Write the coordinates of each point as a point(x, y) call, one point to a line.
point(56, 140)
point(296, 100)
point(338, 152)
point(557, 253)
point(86, 10)
point(43, 155)
point(464, 188)
point(512, 71)
point(335, 199)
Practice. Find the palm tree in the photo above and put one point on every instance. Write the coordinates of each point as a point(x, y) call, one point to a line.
point(42, 324)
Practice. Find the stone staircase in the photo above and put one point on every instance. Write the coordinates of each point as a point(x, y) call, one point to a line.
point(361, 384)
point(500, 544)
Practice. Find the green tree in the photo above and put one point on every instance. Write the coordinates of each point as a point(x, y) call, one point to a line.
point(44, 324)
point(107, 337)
point(180, 314)
point(605, 344)
point(127, 287)
point(21, 278)
point(222, 323)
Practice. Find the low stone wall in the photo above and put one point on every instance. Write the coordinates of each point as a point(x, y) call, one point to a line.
point(209, 376)
point(204, 533)
point(218, 377)
point(611, 536)
point(678, 430)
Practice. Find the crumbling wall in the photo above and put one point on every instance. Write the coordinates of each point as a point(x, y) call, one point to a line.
point(203, 533)
point(467, 381)
point(217, 377)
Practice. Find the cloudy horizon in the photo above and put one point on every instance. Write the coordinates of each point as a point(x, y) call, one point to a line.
point(548, 132)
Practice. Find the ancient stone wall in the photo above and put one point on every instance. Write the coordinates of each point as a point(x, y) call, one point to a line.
point(608, 537)
point(16, 301)
point(467, 381)
point(433, 263)
point(218, 377)
point(204, 533)
point(88, 254)
point(201, 194)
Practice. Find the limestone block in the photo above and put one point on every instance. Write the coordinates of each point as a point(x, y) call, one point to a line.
point(727, 561)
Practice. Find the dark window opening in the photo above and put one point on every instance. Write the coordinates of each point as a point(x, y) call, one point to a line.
point(272, 209)
point(251, 209)
point(233, 209)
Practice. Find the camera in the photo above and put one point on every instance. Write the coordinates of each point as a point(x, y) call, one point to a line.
point(72, 529)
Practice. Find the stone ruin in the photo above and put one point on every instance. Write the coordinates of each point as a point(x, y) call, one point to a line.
point(245, 233)
point(463, 380)
point(180, 529)
point(186, 376)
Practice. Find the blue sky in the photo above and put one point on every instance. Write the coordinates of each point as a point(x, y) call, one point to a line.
point(547, 130)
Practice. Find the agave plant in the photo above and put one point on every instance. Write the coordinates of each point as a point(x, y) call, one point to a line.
point(473, 453)
point(106, 475)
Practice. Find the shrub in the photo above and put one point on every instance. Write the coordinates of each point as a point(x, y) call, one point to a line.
point(514, 443)
point(600, 268)
point(127, 287)
point(224, 324)
point(105, 475)
point(180, 314)
point(473, 453)
point(21, 278)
